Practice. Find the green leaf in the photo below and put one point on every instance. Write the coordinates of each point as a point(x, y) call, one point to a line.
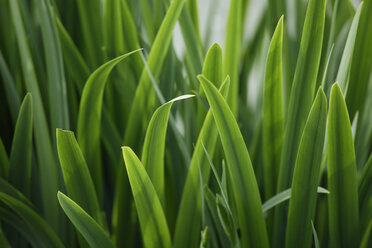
point(361, 65)
point(21, 152)
point(273, 116)
point(342, 177)
point(232, 48)
point(89, 119)
point(79, 184)
point(191, 192)
point(153, 147)
point(145, 95)
point(57, 91)
point(91, 231)
point(113, 29)
point(316, 240)
point(152, 220)
point(25, 219)
point(347, 56)
point(306, 175)
point(366, 238)
point(244, 185)
point(302, 92)
point(283, 196)
point(44, 149)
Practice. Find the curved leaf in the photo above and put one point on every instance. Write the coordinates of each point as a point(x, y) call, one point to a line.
point(154, 227)
point(153, 147)
point(306, 175)
point(91, 231)
point(342, 177)
point(89, 119)
point(244, 185)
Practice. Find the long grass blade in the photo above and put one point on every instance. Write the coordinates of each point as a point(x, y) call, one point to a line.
point(244, 184)
point(342, 178)
point(302, 92)
point(89, 119)
point(153, 224)
point(306, 175)
point(21, 152)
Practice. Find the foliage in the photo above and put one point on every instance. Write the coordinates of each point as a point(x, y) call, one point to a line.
point(116, 131)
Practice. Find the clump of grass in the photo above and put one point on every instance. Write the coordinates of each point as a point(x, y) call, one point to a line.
point(87, 157)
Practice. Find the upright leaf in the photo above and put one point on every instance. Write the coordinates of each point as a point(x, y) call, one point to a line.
point(342, 178)
point(44, 149)
point(244, 185)
point(306, 176)
point(273, 116)
point(365, 195)
point(153, 147)
point(301, 97)
point(79, 184)
point(21, 153)
point(153, 224)
point(89, 119)
point(91, 231)
point(232, 48)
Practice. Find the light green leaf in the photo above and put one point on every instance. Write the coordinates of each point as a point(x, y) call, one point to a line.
point(79, 184)
point(191, 191)
point(244, 185)
point(302, 93)
point(89, 119)
point(152, 220)
point(232, 48)
point(306, 175)
point(91, 231)
point(21, 152)
point(153, 147)
point(316, 240)
point(273, 116)
point(282, 197)
point(342, 178)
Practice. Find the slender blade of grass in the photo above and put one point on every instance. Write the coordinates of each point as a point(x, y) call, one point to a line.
point(244, 184)
point(21, 152)
point(153, 224)
point(365, 195)
point(273, 116)
point(154, 146)
point(232, 47)
point(85, 224)
point(300, 101)
point(78, 182)
point(4, 161)
point(342, 178)
point(306, 175)
point(191, 192)
point(44, 149)
point(89, 119)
